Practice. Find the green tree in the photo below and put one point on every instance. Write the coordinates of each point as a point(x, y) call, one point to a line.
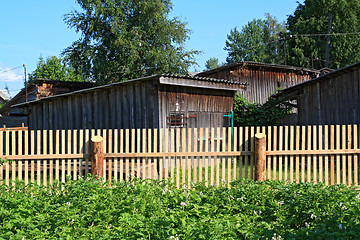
point(126, 39)
point(270, 113)
point(54, 68)
point(212, 63)
point(308, 27)
point(258, 41)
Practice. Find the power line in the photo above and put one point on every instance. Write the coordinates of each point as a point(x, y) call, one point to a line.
point(10, 69)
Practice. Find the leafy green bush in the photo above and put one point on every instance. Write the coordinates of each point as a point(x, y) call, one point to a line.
point(271, 113)
point(90, 209)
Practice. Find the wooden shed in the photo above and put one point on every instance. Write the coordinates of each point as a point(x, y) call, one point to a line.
point(261, 79)
point(332, 98)
point(36, 89)
point(150, 102)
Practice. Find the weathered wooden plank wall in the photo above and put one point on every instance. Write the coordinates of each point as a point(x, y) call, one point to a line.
point(122, 106)
point(330, 101)
point(262, 79)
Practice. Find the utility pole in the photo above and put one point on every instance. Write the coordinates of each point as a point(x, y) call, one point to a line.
point(26, 98)
point(328, 37)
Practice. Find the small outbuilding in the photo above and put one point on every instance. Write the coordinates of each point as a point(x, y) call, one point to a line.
point(36, 89)
point(262, 79)
point(150, 102)
point(332, 98)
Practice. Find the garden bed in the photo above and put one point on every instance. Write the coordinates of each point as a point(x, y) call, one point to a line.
point(90, 209)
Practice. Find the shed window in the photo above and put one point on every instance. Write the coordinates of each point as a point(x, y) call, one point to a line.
point(176, 119)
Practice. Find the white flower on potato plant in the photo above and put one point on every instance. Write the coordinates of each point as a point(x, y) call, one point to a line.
point(276, 237)
point(174, 237)
point(280, 203)
point(340, 226)
point(313, 216)
point(307, 224)
point(68, 203)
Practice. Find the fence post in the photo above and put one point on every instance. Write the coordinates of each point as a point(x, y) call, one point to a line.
point(260, 157)
point(97, 156)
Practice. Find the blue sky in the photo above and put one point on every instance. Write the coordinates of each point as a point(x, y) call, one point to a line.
point(30, 29)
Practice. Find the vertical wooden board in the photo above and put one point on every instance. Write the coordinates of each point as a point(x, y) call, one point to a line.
point(338, 167)
point(252, 148)
point(286, 148)
point(230, 148)
point(172, 149)
point(206, 159)
point(246, 140)
point(57, 151)
point(188, 159)
point(121, 149)
point(166, 134)
point(149, 150)
point(38, 151)
point(127, 150)
point(26, 152)
point(343, 146)
point(20, 148)
point(105, 145)
point(292, 139)
point(240, 136)
point(177, 159)
point(349, 146)
point(116, 150)
point(332, 163)
point(356, 159)
point(297, 160)
point(196, 159)
point(63, 152)
point(321, 159)
point(223, 178)
point(212, 161)
point(303, 146)
point(314, 168)
point(87, 150)
point(308, 163)
point(141, 139)
point(235, 144)
point(217, 159)
point(81, 151)
point(280, 147)
point(110, 148)
point(155, 160)
point(13, 152)
point(326, 147)
point(275, 142)
point(51, 162)
point(161, 160)
point(183, 149)
point(45, 151)
point(269, 148)
point(7, 153)
point(68, 151)
point(201, 135)
point(138, 147)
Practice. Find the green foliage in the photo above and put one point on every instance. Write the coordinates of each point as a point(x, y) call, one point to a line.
point(89, 209)
point(55, 69)
point(258, 41)
point(312, 17)
point(270, 113)
point(127, 39)
point(212, 63)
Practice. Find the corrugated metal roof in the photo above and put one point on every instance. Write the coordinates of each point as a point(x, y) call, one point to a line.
point(257, 64)
point(205, 79)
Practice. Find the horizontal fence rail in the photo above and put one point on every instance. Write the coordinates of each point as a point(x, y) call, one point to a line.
point(214, 156)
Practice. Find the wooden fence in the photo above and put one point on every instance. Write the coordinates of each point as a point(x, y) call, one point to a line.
point(214, 156)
